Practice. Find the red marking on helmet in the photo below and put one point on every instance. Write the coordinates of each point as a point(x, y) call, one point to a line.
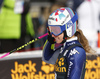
point(62, 9)
point(56, 13)
point(56, 19)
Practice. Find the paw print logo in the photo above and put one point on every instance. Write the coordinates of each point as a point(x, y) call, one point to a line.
point(47, 68)
point(61, 61)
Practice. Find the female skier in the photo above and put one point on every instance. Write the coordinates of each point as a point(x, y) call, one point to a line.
point(70, 57)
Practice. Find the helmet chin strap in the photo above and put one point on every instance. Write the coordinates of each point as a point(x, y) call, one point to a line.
point(64, 38)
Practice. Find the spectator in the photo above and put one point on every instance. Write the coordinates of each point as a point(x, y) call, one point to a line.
point(15, 25)
point(88, 13)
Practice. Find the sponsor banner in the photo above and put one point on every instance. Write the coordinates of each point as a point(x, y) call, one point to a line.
point(35, 68)
point(92, 67)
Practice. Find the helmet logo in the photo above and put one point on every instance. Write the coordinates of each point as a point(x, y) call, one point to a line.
point(65, 19)
point(53, 19)
point(70, 23)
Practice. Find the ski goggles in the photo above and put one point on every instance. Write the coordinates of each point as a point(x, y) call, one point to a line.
point(57, 29)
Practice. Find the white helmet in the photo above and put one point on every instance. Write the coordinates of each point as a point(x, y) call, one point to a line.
point(63, 19)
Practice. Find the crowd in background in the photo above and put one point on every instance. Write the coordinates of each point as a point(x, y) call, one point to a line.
point(18, 26)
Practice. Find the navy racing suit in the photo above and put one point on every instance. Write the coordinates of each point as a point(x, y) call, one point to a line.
point(69, 59)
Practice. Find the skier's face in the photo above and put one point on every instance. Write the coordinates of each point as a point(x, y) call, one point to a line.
point(58, 38)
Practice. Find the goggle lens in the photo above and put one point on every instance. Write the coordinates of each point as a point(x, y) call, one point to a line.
point(56, 30)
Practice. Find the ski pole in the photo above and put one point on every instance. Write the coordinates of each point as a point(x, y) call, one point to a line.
point(28, 43)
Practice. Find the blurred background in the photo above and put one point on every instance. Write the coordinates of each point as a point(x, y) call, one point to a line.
point(24, 20)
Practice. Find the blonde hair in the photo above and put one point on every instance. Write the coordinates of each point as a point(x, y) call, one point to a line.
point(84, 42)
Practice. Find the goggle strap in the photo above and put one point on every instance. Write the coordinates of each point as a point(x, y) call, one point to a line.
point(75, 18)
point(71, 22)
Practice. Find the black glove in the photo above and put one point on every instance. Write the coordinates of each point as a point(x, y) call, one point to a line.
point(50, 38)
